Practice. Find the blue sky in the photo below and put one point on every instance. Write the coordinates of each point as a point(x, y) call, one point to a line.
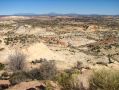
point(8, 7)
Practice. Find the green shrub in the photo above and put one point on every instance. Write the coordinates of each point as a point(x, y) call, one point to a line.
point(48, 86)
point(2, 66)
point(68, 80)
point(64, 80)
point(104, 80)
point(18, 77)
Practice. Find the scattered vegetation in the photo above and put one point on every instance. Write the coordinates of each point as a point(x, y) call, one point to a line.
point(65, 32)
point(23, 39)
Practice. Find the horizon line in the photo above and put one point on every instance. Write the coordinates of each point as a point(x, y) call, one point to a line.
point(52, 13)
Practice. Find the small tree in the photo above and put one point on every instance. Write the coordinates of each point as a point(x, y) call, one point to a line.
point(17, 61)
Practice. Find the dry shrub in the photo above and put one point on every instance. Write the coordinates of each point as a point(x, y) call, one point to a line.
point(47, 71)
point(17, 61)
point(35, 74)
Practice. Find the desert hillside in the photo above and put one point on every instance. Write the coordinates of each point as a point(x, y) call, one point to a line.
point(90, 41)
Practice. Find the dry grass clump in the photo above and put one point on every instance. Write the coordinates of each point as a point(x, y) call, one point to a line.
point(69, 80)
point(105, 80)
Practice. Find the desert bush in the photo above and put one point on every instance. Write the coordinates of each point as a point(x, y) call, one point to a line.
point(104, 80)
point(18, 77)
point(64, 80)
point(17, 61)
point(5, 75)
point(1, 49)
point(69, 80)
point(39, 61)
point(79, 65)
point(72, 71)
point(2, 66)
point(0, 41)
point(35, 74)
point(48, 70)
point(101, 63)
point(48, 85)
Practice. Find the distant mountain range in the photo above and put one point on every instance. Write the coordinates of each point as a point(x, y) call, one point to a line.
point(48, 14)
point(25, 14)
point(55, 14)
